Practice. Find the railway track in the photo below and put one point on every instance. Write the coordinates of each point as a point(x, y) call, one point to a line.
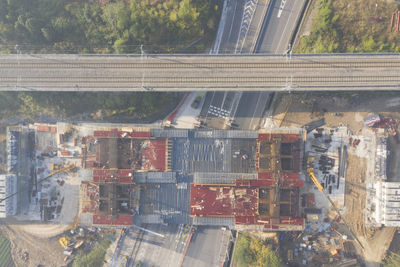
point(222, 66)
point(202, 80)
point(181, 73)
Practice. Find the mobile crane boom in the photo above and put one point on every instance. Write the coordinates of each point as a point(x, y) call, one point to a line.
point(320, 188)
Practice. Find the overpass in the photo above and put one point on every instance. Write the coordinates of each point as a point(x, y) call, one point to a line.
point(301, 72)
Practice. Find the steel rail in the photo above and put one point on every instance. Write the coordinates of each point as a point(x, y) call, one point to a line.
point(235, 65)
point(200, 79)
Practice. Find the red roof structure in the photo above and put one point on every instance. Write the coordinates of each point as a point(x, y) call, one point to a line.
point(226, 201)
point(121, 134)
point(269, 137)
point(154, 155)
point(46, 128)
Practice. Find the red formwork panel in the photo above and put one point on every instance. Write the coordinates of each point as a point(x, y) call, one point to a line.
point(245, 220)
point(291, 221)
point(224, 201)
point(140, 134)
point(42, 128)
point(290, 176)
point(64, 153)
point(265, 137)
point(122, 134)
point(266, 176)
point(310, 200)
point(120, 220)
point(255, 183)
point(123, 176)
point(288, 138)
point(154, 155)
point(101, 133)
point(92, 193)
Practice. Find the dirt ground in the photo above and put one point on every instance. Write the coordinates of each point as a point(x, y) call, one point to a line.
point(33, 245)
point(347, 109)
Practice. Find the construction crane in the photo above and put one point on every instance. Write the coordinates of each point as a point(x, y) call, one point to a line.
point(67, 168)
point(320, 188)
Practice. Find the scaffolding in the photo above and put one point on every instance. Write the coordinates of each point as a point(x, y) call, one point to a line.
point(221, 178)
point(225, 134)
point(155, 177)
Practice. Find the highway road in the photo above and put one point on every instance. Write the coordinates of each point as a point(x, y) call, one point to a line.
point(279, 25)
point(199, 72)
point(250, 110)
point(231, 27)
point(153, 250)
point(207, 248)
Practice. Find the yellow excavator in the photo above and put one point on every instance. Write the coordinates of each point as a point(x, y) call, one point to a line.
point(320, 188)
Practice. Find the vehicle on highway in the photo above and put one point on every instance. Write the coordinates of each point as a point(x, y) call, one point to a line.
point(196, 102)
point(234, 125)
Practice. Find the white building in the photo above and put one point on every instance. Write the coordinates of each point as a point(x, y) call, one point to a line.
point(8, 186)
point(385, 209)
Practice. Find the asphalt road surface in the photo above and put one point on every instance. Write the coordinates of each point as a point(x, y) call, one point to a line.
point(232, 26)
point(250, 110)
point(279, 26)
point(153, 250)
point(207, 248)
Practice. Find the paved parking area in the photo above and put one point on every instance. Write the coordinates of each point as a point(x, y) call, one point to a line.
point(243, 155)
point(207, 247)
point(165, 248)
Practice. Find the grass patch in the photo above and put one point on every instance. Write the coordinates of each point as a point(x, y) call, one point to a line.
point(5, 252)
point(94, 257)
point(136, 105)
point(358, 26)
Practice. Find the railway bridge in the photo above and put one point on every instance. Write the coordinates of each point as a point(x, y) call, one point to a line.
point(297, 72)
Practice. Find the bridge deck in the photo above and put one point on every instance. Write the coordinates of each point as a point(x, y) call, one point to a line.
point(199, 72)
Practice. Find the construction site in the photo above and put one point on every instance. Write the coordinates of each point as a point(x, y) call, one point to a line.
point(240, 179)
point(326, 180)
point(351, 151)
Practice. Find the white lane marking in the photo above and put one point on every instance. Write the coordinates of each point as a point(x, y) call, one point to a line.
point(233, 19)
point(255, 109)
point(284, 30)
point(282, 6)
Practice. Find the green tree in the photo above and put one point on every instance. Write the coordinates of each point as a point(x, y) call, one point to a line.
point(355, 26)
point(244, 254)
point(94, 258)
point(251, 251)
point(393, 260)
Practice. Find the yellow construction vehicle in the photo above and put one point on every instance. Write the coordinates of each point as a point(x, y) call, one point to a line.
point(64, 241)
point(75, 223)
point(320, 188)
